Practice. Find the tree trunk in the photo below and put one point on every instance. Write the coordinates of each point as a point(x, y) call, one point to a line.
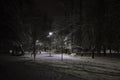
point(93, 54)
point(104, 51)
point(34, 50)
point(62, 54)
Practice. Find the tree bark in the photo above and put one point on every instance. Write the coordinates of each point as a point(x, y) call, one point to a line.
point(34, 49)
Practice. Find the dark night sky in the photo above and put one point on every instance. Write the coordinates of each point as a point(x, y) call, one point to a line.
point(8, 9)
point(52, 7)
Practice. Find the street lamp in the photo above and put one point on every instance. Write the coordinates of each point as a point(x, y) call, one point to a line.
point(50, 34)
point(37, 41)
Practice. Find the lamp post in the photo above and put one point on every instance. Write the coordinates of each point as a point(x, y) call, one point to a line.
point(50, 34)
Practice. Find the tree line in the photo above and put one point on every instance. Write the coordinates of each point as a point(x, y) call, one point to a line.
point(90, 24)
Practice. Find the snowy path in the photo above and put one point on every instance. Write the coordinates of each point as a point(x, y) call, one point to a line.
point(82, 67)
point(52, 68)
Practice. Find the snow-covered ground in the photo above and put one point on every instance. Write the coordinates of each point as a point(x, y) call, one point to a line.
point(52, 68)
point(78, 68)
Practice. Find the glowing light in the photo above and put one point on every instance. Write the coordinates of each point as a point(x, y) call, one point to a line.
point(50, 33)
point(10, 51)
point(37, 41)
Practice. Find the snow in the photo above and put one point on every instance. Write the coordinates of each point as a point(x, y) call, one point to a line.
point(52, 68)
point(80, 68)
